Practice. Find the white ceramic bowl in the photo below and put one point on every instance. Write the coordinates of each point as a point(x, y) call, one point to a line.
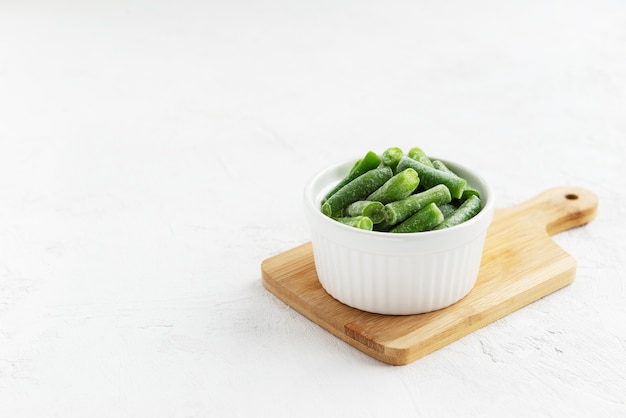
point(396, 274)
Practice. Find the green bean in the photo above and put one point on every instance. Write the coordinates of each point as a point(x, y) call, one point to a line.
point(397, 192)
point(466, 211)
point(397, 187)
point(417, 154)
point(391, 157)
point(361, 222)
point(467, 190)
point(372, 209)
point(440, 165)
point(430, 176)
point(357, 189)
point(447, 209)
point(424, 219)
point(398, 211)
point(370, 161)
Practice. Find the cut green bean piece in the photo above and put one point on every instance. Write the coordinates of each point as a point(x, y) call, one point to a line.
point(397, 187)
point(467, 190)
point(398, 211)
point(360, 222)
point(447, 209)
point(424, 219)
point(372, 209)
point(466, 211)
point(430, 176)
point(370, 161)
point(440, 165)
point(357, 189)
point(417, 154)
point(391, 157)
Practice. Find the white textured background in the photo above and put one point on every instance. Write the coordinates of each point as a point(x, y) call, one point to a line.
point(153, 154)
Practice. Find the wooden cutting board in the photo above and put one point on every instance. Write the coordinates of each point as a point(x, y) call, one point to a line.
point(520, 264)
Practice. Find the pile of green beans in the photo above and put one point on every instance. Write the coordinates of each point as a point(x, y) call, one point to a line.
point(401, 192)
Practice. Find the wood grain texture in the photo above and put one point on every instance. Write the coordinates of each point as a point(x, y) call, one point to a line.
point(520, 264)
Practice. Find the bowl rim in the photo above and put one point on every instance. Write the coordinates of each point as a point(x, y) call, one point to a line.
point(312, 199)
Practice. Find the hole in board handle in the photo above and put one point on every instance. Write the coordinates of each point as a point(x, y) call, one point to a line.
point(571, 196)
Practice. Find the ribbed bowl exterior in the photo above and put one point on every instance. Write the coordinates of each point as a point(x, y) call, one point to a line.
point(397, 284)
point(396, 274)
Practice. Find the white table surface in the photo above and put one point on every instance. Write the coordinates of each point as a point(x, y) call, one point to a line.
point(153, 154)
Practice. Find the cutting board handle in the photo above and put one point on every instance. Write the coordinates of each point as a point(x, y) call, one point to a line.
point(559, 208)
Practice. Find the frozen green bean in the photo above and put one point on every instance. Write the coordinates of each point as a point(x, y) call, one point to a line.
point(357, 189)
point(467, 190)
point(391, 157)
point(397, 187)
point(370, 161)
point(400, 193)
point(419, 155)
point(466, 211)
point(360, 222)
point(399, 210)
point(424, 219)
point(447, 209)
point(372, 209)
point(430, 176)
